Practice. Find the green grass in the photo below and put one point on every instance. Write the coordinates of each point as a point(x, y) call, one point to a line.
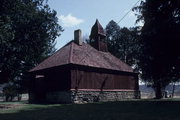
point(123, 110)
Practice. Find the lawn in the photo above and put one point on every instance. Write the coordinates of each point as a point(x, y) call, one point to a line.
point(123, 110)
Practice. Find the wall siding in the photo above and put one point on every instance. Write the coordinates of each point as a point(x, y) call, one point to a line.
point(76, 84)
point(97, 80)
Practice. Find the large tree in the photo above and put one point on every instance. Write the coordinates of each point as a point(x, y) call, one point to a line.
point(160, 35)
point(123, 42)
point(28, 29)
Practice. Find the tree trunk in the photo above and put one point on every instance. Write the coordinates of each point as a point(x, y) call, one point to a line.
point(173, 90)
point(158, 91)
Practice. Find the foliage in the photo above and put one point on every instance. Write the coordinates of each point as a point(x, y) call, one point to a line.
point(10, 91)
point(28, 29)
point(160, 57)
point(123, 42)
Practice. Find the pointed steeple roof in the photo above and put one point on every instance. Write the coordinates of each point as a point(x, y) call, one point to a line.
point(98, 37)
point(97, 29)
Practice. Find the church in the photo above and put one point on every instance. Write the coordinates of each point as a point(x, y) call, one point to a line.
point(82, 73)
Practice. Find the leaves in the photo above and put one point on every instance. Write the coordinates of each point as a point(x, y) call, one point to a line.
point(28, 29)
point(160, 35)
point(123, 42)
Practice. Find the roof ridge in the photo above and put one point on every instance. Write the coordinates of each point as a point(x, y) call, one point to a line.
point(87, 52)
point(70, 53)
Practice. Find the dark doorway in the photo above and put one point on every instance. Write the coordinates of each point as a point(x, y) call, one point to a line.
point(40, 94)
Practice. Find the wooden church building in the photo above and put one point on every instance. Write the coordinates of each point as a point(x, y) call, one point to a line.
point(80, 72)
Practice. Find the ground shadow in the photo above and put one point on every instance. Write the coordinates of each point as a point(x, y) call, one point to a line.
point(124, 110)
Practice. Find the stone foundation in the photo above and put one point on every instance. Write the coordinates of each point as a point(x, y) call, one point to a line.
point(59, 97)
point(85, 96)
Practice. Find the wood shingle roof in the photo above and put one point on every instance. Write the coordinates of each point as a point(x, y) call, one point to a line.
point(85, 55)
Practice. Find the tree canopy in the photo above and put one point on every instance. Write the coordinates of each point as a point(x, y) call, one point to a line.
point(123, 42)
point(28, 29)
point(160, 35)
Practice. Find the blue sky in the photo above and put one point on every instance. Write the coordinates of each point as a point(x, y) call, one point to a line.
point(82, 14)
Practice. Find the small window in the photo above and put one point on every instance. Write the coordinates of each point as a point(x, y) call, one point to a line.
point(39, 76)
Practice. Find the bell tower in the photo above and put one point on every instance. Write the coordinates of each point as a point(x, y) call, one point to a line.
point(98, 37)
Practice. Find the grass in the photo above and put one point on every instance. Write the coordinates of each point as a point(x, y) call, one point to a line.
point(123, 110)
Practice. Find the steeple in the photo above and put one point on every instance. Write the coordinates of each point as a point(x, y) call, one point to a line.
point(98, 37)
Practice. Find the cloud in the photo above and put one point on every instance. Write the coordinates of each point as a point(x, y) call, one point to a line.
point(70, 21)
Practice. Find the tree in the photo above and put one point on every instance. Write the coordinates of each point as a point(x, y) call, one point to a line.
point(122, 42)
point(160, 58)
point(28, 29)
point(113, 35)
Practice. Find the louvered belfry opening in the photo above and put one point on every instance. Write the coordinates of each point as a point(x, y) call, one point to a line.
point(98, 37)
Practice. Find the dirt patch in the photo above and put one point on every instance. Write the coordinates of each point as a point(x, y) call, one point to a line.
point(9, 106)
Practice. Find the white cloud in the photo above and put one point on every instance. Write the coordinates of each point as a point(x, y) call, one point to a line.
point(70, 21)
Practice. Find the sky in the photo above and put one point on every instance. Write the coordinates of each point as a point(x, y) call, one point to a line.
point(82, 14)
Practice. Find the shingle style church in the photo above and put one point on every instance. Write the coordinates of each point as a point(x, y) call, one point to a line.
point(80, 72)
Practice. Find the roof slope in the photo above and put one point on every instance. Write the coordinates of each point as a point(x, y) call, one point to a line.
point(83, 55)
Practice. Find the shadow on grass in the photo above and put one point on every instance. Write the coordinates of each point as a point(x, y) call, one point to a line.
point(124, 110)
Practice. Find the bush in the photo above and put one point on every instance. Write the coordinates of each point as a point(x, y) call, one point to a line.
point(10, 92)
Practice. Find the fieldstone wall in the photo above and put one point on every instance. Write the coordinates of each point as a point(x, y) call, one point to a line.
point(90, 96)
point(102, 96)
point(59, 97)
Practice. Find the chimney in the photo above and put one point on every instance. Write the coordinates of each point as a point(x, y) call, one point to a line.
point(77, 37)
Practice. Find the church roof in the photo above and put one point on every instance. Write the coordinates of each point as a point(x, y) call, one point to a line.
point(85, 55)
